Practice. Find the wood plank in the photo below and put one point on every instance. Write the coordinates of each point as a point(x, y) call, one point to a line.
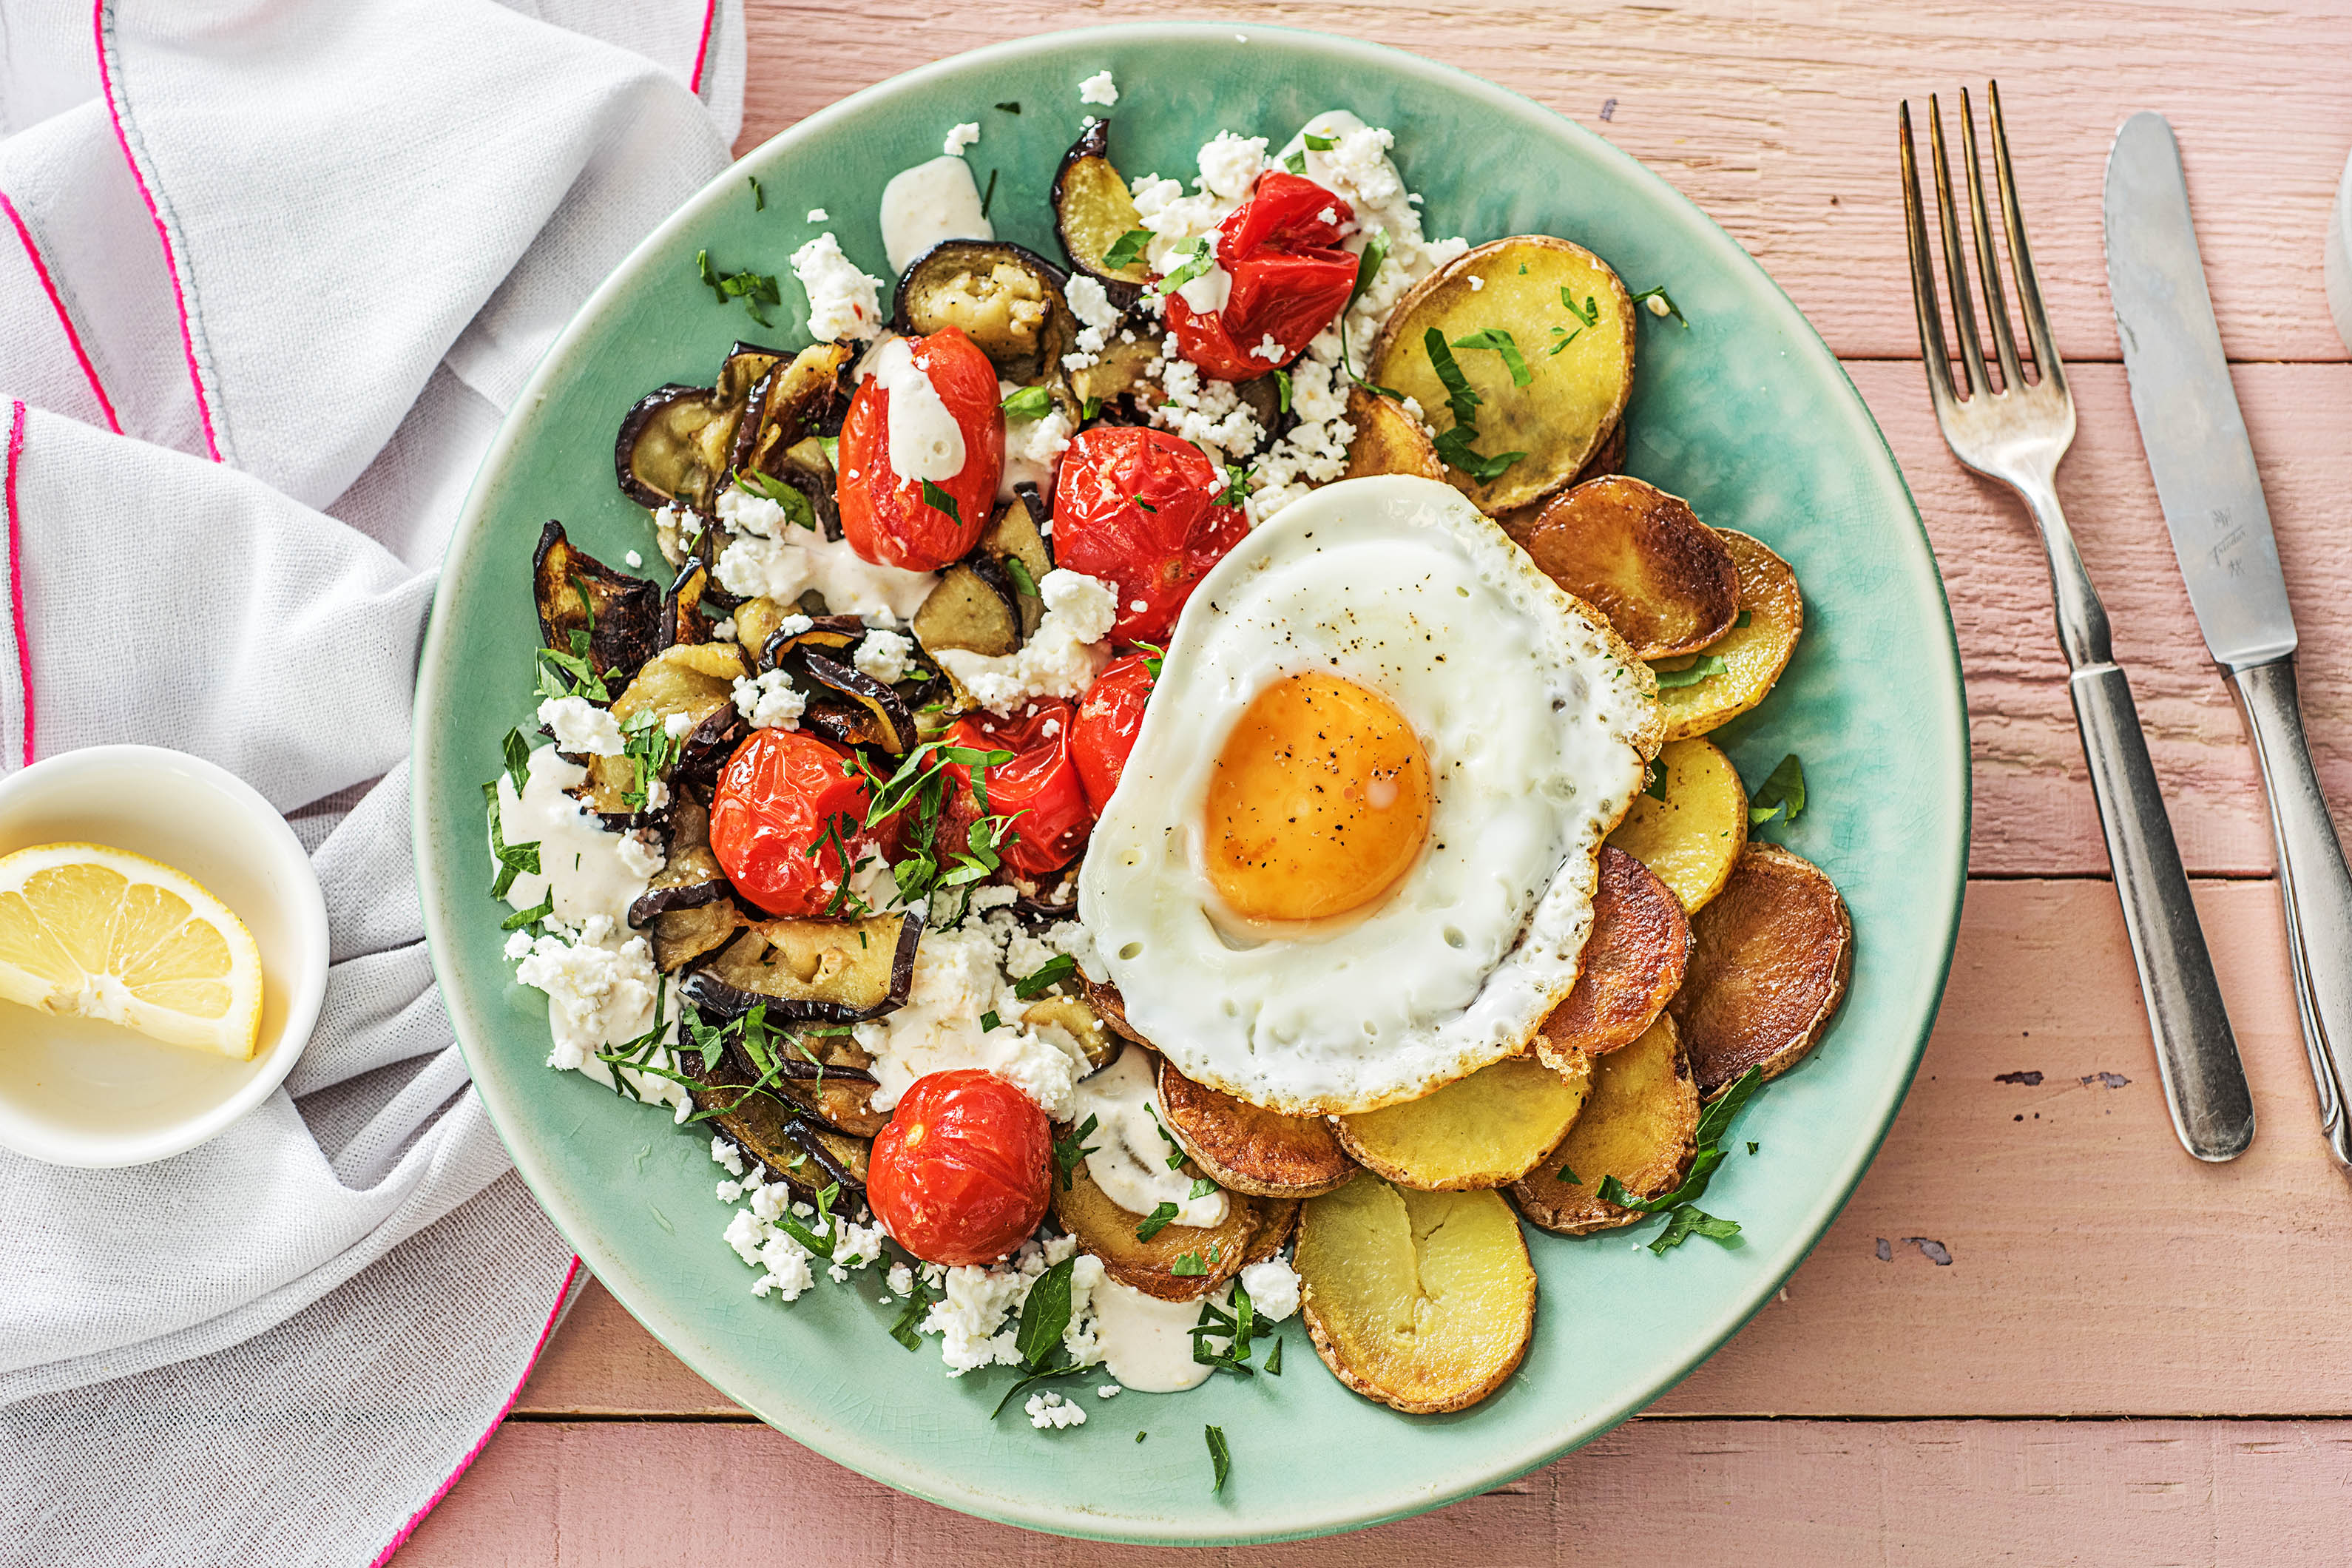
point(2095, 1266)
point(1923, 1494)
point(1778, 117)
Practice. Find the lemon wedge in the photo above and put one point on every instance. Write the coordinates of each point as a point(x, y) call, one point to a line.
point(93, 933)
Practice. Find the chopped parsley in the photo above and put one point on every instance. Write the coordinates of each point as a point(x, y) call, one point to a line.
point(1590, 315)
point(939, 500)
point(1314, 144)
point(1044, 977)
point(988, 197)
point(1010, 107)
point(1190, 1265)
point(1072, 1147)
point(523, 919)
point(1126, 250)
point(1685, 1219)
point(1163, 1214)
point(1153, 656)
point(516, 751)
point(1459, 395)
point(1707, 665)
point(647, 746)
point(1023, 583)
point(907, 1330)
point(1296, 163)
point(798, 508)
point(1500, 341)
point(1195, 265)
point(1202, 1188)
point(754, 289)
point(1282, 391)
point(1654, 784)
point(1236, 488)
point(514, 859)
point(1028, 403)
point(1454, 446)
point(1221, 1458)
point(1175, 1150)
point(759, 196)
point(1781, 795)
point(988, 1021)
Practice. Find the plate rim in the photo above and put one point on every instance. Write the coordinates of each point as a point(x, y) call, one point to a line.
point(842, 1445)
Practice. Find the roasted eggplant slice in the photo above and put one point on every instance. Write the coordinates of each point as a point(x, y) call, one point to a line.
point(1092, 212)
point(826, 634)
point(1007, 300)
point(742, 369)
point(777, 1133)
point(673, 446)
point(681, 614)
point(690, 908)
point(872, 714)
point(975, 607)
point(577, 593)
point(783, 409)
point(697, 679)
point(1118, 370)
point(811, 971)
point(1015, 536)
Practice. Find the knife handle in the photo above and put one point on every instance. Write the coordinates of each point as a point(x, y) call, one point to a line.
point(2196, 1052)
point(2313, 884)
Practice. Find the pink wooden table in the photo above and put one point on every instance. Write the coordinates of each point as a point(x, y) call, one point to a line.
point(2111, 1353)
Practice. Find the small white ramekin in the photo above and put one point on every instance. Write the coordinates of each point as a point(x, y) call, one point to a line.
point(77, 1092)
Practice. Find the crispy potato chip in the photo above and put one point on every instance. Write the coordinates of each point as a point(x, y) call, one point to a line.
point(1753, 654)
point(1388, 440)
point(1477, 1131)
point(1641, 558)
point(1422, 1301)
point(1535, 295)
point(1633, 966)
point(1250, 1150)
point(1769, 963)
point(1691, 832)
point(1641, 1126)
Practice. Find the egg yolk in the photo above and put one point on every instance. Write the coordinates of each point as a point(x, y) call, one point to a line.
point(1318, 803)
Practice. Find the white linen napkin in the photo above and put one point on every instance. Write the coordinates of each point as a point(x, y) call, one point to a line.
point(270, 271)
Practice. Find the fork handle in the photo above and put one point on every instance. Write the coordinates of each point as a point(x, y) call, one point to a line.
point(2196, 1052)
point(2313, 883)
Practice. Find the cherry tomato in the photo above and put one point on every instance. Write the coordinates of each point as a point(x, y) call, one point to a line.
point(1139, 509)
point(1108, 716)
point(1288, 275)
point(883, 515)
point(785, 805)
point(960, 1176)
point(1040, 789)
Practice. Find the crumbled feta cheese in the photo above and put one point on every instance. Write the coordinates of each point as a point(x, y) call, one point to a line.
point(1060, 659)
point(1477, 283)
point(1273, 1287)
point(1108, 1391)
point(1098, 89)
point(959, 976)
point(633, 560)
point(768, 701)
point(1230, 165)
point(961, 137)
point(639, 856)
point(818, 214)
point(518, 945)
point(580, 727)
point(1269, 348)
point(678, 726)
point(1049, 1409)
point(884, 656)
point(900, 1278)
point(844, 302)
point(727, 1155)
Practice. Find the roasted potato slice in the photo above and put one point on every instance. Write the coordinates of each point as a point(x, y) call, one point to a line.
point(1770, 962)
point(1387, 440)
point(1633, 966)
point(1754, 653)
point(1641, 1126)
point(1250, 1150)
point(1276, 1218)
point(1641, 558)
point(1422, 1301)
point(1477, 1131)
point(1691, 832)
point(1572, 399)
point(1162, 1266)
point(1109, 1005)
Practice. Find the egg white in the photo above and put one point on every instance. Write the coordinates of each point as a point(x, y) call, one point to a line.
point(1538, 723)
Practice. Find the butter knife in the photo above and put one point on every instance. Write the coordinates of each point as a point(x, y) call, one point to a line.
point(2221, 527)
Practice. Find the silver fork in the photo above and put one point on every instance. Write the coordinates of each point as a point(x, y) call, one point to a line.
point(2016, 435)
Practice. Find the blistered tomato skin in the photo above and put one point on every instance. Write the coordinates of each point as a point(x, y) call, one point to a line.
point(1289, 279)
point(1140, 509)
point(959, 1176)
point(780, 794)
point(1108, 716)
point(883, 515)
point(1040, 789)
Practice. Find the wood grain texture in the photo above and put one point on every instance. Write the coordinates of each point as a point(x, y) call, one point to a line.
point(2095, 1267)
point(1778, 117)
point(1943, 1494)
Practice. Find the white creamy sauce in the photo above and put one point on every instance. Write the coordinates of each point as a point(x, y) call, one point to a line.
point(926, 442)
point(592, 872)
point(958, 979)
point(1131, 1152)
point(784, 568)
point(1146, 1343)
point(928, 203)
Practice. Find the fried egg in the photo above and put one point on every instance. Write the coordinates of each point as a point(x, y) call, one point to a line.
point(1352, 856)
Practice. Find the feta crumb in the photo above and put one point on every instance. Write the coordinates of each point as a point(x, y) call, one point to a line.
point(884, 656)
point(518, 945)
point(768, 701)
point(818, 214)
point(844, 302)
point(1098, 89)
point(580, 727)
point(1270, 349)
point(961, 137)
point(1108, 1391)
point(634, 559)
point(1273, 1287)
point(1060, 659)
point(678, 726)
point(1050, 1409)
point(1657, 303)
point(1477, 283)
point(724, 631)
point(901, 1279)
point(725, 1153)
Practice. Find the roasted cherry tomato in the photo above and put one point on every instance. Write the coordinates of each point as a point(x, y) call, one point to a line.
point(786, 805)
point(1140, 509)
point(960, 1176)
point(883, 515)
point(1040, 789)
point(1281, 251)
point(1108, 716)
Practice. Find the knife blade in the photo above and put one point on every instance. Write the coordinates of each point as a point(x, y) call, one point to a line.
point(2189, 417)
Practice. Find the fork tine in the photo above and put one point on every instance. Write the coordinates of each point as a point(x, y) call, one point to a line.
point(1923, 273)
point(2029, 292)
point(1988, 264)
point(1956, 266)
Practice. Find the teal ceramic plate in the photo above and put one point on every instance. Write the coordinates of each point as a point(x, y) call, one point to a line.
point(1745, 412)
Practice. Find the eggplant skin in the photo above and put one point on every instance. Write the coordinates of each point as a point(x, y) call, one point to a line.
point(627, 611)
point(721, 997)
point(894, 726)
point(786, 405)
point(1008, 300)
